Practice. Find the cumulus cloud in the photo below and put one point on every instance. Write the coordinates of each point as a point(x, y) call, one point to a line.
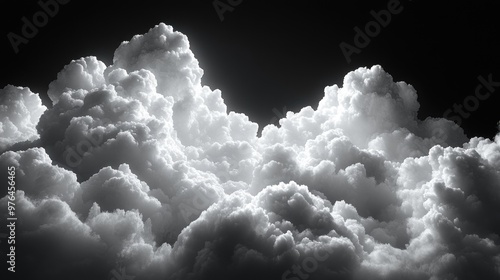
point(20, 110)
point(139, 169)
point(84, 73)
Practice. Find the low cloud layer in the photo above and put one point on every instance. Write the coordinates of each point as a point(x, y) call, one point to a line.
point(140, 168)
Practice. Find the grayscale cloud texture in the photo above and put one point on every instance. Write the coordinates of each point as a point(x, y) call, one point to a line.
point(139, 165)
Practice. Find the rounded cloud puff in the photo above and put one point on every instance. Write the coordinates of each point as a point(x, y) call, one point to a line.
point(84, 73)
point(141, 172)
point(20, 110)
point(166, 54)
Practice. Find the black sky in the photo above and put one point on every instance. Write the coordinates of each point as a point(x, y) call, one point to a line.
point(266, 56)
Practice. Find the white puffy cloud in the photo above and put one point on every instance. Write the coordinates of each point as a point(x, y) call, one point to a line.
point(140, 170)
point(166, 54)
point(20, 110)
point(84, 73)
point(37, 176)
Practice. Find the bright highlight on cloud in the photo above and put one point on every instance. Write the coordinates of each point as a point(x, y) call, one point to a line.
point(139, 166)
point(20, 110)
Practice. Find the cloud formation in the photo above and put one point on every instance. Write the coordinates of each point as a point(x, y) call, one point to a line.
point(137, 166)
point(20, 110)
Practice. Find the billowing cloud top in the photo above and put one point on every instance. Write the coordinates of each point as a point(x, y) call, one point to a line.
point(139, 169)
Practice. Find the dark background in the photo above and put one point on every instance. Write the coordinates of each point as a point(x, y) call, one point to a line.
point(265, 56)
